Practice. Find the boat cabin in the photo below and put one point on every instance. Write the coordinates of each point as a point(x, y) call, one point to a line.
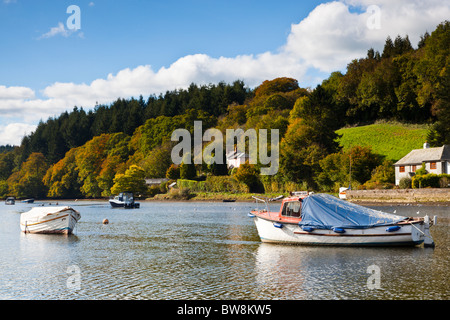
point(290, 209)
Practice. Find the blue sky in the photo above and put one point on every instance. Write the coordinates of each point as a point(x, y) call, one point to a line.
point(128, 48)
point(118, 34)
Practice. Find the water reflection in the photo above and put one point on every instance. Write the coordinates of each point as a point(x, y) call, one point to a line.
point(303, 272)
point(205, 251)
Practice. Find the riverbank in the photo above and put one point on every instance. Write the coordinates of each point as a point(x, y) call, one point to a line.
point(212, 196)
point(429, 196)
point(363, 197)
point(440, 197)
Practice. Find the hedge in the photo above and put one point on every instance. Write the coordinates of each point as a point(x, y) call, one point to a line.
point(213, 184)
point(191, 185)
point(431, 180)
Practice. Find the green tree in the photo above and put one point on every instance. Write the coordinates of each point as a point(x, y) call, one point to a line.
point(300, 152)
point(156, 162)
point(4, 189)
point(335, 168)
point(431, 68)
point(27, 182)
point(187, 171)
point(249, 175)
point(61, 179)
point(439, 133)
point(132, 180)
point(173, 172)
point(6, 164)
point(383, 176)
point(218, 169)
point(388, 50)
point(277, 85)
point(89, 160)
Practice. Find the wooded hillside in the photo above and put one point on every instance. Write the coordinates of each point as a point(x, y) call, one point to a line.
point(79, 153)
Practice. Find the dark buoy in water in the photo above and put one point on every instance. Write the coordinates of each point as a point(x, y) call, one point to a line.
point(105, 221)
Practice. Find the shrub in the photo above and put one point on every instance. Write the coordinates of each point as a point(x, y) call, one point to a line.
point(430, 180)
point(444, 181)
point(153, 190)
point(225, 184)
point(382, 177)
point(192, 185)
point(422, 171)
point(187, 171)
point(213, 184)
point(405, 183)
point(249, 174)
point(180, 194)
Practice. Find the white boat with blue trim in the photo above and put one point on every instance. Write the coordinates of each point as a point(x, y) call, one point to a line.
point(322, 219)
point(124, 200)
point(49, 220)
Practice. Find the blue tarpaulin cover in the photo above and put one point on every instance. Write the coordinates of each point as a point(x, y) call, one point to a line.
point(324, 211)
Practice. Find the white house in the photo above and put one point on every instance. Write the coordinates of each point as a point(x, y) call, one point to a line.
point(437, 160)
point(235, 159)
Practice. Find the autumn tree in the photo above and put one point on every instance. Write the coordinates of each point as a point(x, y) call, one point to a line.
point(132, 181)
point(249, 175)
point(27, 182)
point(61, 179)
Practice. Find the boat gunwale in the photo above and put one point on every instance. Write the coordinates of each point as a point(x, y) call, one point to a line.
point(263, 215)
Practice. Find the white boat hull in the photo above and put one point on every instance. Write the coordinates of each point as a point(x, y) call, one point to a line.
point(62, 222)
point(291, 233)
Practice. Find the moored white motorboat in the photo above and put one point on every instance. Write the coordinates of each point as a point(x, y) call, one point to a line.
point(124, 200)
point(49, 220)
point(321, 219)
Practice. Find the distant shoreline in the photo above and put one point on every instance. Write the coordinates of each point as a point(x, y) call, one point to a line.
point(245, 197)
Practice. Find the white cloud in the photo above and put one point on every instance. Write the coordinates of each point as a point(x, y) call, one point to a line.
point(326, 40)
point(333, 33)
point(11, 93)
point(59, 30)
point(14, 132)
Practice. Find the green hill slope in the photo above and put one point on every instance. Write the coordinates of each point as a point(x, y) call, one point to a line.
point(393, 140)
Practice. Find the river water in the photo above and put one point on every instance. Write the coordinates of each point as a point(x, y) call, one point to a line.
point(211, 251)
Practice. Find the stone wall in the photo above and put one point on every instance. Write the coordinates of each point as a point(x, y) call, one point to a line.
point(400, 195)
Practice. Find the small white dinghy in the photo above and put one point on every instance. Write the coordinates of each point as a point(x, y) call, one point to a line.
point(49, 220)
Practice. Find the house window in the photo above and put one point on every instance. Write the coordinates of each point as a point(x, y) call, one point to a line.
point(432, 165)
point(402, 168)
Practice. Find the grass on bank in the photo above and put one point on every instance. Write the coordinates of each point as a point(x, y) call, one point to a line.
point(391, 139)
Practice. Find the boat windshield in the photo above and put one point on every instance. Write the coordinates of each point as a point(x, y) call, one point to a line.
point(292, 209)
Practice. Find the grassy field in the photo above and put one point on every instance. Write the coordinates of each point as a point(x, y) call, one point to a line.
point(393, 140)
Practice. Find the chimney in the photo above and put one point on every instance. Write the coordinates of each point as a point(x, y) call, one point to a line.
point(426, 145)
